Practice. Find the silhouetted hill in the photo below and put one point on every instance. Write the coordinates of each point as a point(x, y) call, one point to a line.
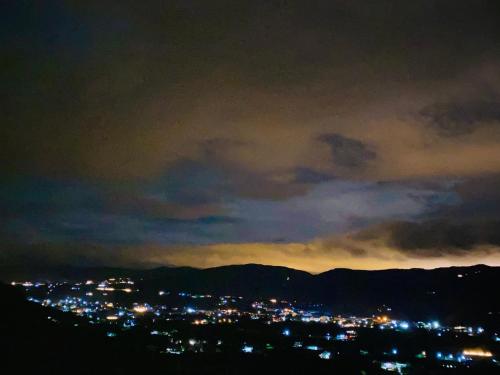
point(453, 294)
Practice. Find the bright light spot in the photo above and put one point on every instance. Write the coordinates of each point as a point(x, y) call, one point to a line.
point(477, 353)
point(140, 309)
point(325, 355)
point(393, 366)
point(404, 325)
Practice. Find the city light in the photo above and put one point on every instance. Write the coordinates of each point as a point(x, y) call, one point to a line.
point(477, 353)
point(325, 355)
point(140, 309)
point(123, 315)
point(404, 325)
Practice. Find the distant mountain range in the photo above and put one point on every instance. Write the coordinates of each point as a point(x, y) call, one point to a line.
point(454, 293)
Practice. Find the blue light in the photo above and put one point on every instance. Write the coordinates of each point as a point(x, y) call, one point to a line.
point(394, 351)
point(404, 325)
point(247, 349)
point(325, 355)
point(286, 332)
point(439, 355)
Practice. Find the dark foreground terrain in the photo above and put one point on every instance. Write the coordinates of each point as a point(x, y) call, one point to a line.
point(37, 339)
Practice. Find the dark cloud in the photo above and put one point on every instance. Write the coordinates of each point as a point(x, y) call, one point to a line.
point(452, 119)
point(468, 224)
point(197, 122)
point(189, 182)
point(438, 238)
point(304, 175)
point(215, 180)
point(348, 152)
point(445, 237)
point(478, 198)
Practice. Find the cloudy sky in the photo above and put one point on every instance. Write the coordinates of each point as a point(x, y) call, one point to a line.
point(309, 134)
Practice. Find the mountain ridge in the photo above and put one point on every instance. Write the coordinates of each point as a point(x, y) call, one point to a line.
point(454, 293)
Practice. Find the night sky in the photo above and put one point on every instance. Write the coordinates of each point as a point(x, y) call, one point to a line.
point(308, 134)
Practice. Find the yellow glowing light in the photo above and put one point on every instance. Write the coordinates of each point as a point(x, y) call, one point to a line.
point(112, 317)
point(140, 309)
point(127, 290)
point(477, 353)
point(198, 322)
